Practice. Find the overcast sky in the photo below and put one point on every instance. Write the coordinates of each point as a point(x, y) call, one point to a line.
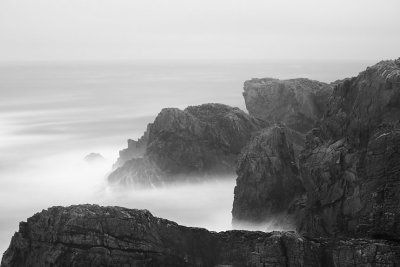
point(203, 29)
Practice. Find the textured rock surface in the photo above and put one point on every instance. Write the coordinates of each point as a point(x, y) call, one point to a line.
point(198, 141)
point(297, 103)
point(351, 164)
point(89, 235)
point(268, 177)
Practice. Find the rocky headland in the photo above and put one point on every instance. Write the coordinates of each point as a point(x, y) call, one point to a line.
point(324, 158)
point(269, 186)
point(193, 143)
point(349, 168)
point(351, 164)
point(90, 235)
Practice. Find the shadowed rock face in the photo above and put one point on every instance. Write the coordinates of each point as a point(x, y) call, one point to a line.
point(360, 104)
point(268, 178)
point(351, 164)
point(90, 235)
point(297, 103)
point(198, 141)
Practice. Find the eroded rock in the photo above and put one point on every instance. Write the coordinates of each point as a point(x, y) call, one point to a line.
point(351, 164)
point(297, 103)
point(196, 142)
point(268, 178)
point(90, 235)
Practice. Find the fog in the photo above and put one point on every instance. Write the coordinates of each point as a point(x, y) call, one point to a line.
point(53, 115)
point(45, 30)
point(66, 179)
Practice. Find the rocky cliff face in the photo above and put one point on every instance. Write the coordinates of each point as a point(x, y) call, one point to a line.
point(198, 141)
point(90, 235)
point(297, 103)
point(268, 184)
point(268, 178)
point(351, 165)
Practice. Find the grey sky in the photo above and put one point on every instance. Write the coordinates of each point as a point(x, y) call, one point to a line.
point(204, 29)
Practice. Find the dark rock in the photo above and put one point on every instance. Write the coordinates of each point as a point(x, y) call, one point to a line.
point(268, 178)
point(198, 141)
point(90, 235)
point(351, 165)
point(360, 104)
point(297, 103)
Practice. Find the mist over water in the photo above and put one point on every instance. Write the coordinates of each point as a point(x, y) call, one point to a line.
point(53, 115)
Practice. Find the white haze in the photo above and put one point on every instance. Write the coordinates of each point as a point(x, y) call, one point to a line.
point(198, 29)
point(53, 115)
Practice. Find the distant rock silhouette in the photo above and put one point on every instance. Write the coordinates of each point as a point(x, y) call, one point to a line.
point(93, 158)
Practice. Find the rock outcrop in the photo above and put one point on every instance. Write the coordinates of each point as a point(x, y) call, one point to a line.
point(268, 184)
point(297, 103)
point(90, 235)
point(135, 149)
point(268, 178)
point(198, 141)
point(351, 165)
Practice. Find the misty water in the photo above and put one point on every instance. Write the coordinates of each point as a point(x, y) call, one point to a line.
point(53, 115)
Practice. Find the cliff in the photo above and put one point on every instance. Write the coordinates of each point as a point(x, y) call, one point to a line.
point(268, 178)
point(296, 103)
point(198, 141)
point(268, 186)
point(351, 165)
point(90, 235)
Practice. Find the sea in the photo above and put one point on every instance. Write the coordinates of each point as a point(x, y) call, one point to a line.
point(53, 114)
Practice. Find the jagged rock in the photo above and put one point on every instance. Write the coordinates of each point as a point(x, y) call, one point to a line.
point(351, 165)
point(135, 149)
point(90, 235)
point(297, 103)
point(268, 178)
point(93, 158)
point(360, 104)
point(198, 141)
